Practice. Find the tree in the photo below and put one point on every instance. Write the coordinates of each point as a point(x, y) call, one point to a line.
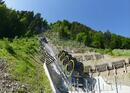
point(84, 34)
point(63, 34)
point(4, 20)
point(87, 39)
point(2, 2)
point(20, 23)
point(107, 39)
point(115, 42)
point(80, 36)
point(98, 40)
point(125, 43)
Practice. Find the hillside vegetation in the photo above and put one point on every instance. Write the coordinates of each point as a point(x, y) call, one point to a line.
point(20, 23)
point(81, 47)
point(23, 63)
point(19, 46)
point(89, 37)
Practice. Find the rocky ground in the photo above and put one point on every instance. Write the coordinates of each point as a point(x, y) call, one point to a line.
point(7, 83)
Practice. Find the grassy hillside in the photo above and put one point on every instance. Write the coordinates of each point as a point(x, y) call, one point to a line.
point(22, 53)
point(23, 62)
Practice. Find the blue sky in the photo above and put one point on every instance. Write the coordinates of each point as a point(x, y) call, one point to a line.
point(113, 15)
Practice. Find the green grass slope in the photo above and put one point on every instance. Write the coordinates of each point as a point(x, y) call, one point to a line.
point(22, 56)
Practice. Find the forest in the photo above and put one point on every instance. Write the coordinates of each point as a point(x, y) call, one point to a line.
point(91, 38)
point(27, 23)
point(20, 23)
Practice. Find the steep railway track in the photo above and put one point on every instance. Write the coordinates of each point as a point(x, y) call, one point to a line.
point(50, 58)
point(64, 62)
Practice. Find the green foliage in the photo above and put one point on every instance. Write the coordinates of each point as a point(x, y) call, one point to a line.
point(19, 46)
point(79, 37)
point(107, 39)
point(81, 48)
point(20, 23)
point(1, 2)
point(98, 40)
point(91, 38)
point(24, 64)
point(118, 52)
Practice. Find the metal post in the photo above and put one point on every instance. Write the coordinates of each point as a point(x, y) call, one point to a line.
point(77, 85)
point(92, 86)
point(99, 85)
point(116, 83)
point(111, 87)
point(125, 68)
point(103, 87)
point(87, 86)
point(115, 76)
point(74, 85)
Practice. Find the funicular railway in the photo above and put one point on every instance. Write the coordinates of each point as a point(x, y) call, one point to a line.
point(77, 76)
point(86, 71)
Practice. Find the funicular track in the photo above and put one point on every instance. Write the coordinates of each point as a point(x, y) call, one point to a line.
point(71, 70)
point(51, 59)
